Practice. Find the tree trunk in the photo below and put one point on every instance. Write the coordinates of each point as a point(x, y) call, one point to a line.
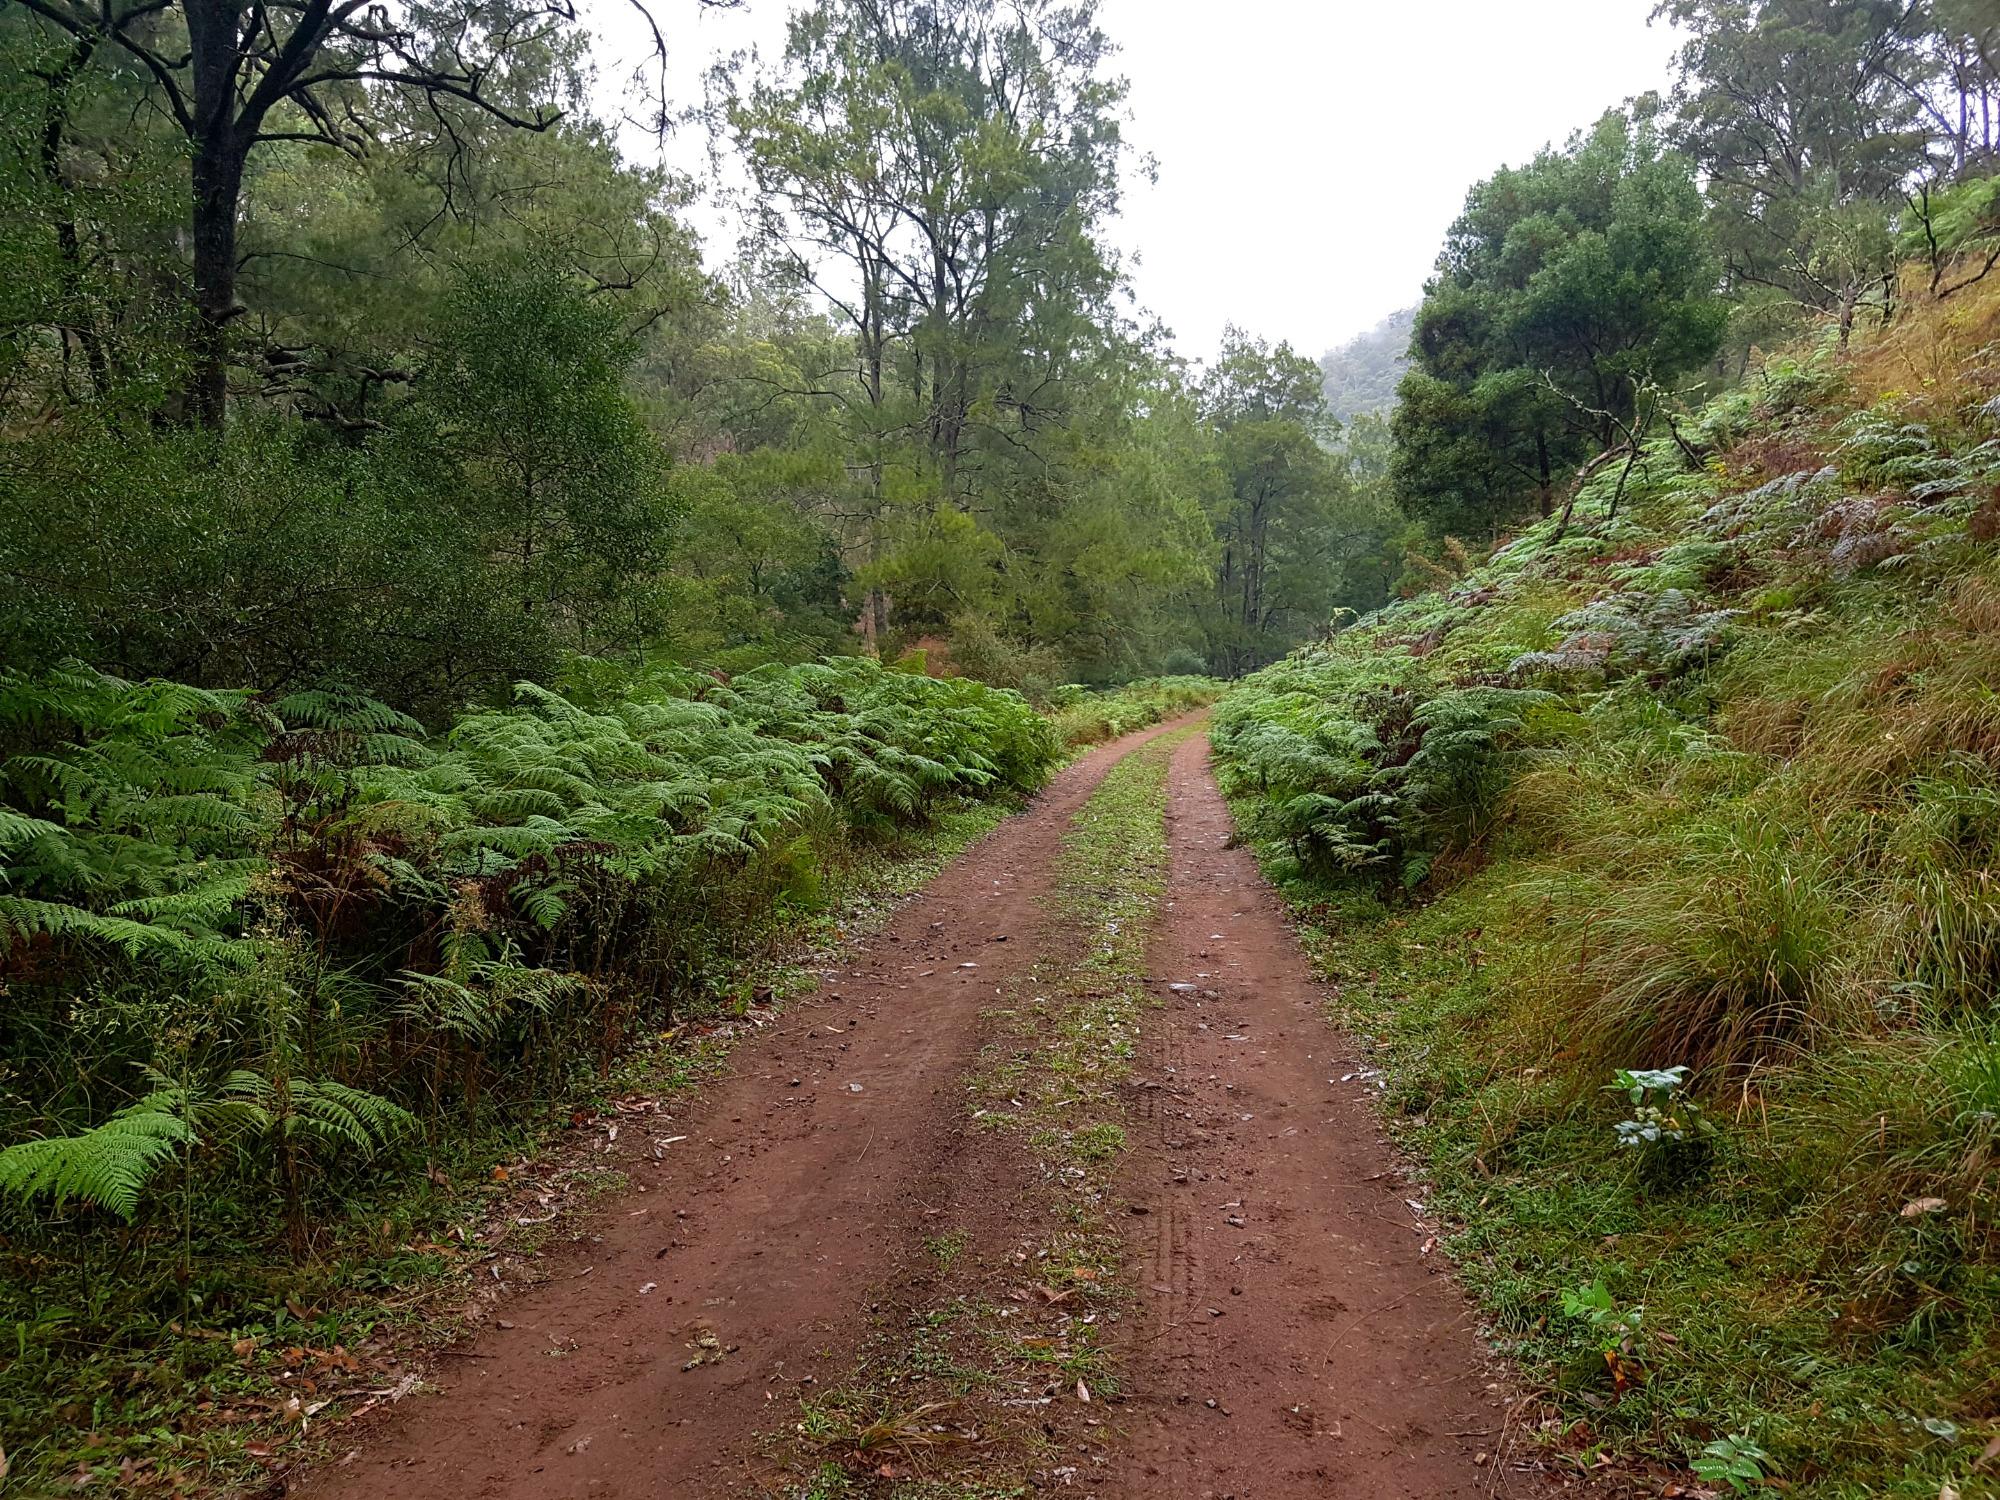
point(218, 184)
point(221, 146)
point(55, 123)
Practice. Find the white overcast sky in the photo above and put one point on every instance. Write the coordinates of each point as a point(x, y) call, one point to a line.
point(1310, 153)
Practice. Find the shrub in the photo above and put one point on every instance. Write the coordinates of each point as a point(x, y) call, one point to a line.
point(1361, 763)
point(305, 923)
point(1086, 718)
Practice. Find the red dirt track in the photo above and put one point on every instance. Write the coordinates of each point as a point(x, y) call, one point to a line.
point(1294, 1339)
point(1289, 1338)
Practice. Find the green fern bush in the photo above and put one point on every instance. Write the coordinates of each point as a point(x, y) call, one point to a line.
point(338, 933)
point(1086, 718)
point(1368, 764)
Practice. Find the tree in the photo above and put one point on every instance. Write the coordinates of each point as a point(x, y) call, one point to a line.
point(1279, 531)
point(232, 76)
point(940, 171)
point(1564, 289)
point(1361, 375)
point(549, 463)
point(1807, 119)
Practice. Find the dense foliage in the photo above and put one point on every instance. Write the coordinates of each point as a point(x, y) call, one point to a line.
point(1566, 290)
point(205, 888)
point(262, 957)
point(1360, 376)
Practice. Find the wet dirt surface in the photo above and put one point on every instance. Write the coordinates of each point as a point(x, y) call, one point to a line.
point(1289, 1336)
point(1296, 1337)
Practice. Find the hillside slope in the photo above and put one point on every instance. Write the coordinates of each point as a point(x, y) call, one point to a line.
point(1360, 376)
point(1659, 860)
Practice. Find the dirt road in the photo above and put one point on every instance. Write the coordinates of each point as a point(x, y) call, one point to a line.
point(1297, 1338)
point(1281, 1332)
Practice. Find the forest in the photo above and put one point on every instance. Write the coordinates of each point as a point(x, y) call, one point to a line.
point(468, 650)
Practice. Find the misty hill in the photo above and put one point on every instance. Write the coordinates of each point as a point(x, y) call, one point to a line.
point(1361, 375)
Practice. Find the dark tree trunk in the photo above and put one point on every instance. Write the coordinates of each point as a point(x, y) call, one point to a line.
point(218, 185)
point(221, 137)
point(55, 123)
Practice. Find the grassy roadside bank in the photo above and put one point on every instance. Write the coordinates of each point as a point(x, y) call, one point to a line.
point(1656, 856)
point(1726, 1309)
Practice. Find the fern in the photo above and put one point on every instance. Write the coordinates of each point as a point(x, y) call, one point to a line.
point(263, 874)
point(316, 1109)
point(107, 1166)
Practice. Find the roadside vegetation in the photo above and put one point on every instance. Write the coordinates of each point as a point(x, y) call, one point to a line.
point(270, 959)
point(1086, 718)
point(1656, 857)
point(1650, 835)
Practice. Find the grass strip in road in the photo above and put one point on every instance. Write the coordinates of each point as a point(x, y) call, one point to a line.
point(997, 1384)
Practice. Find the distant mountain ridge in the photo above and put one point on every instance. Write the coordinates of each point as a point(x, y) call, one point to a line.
point(1361, 375)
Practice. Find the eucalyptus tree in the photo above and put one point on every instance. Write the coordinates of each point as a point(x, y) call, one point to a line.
point(940, 171)
point(1281, 531)
point(1808, 121)
point(232, 78)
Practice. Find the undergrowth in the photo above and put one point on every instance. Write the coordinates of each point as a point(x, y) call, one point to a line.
point(1086, 718)
point(1712, 785)
point(280, 976)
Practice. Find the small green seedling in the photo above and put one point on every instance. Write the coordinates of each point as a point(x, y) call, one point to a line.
point(1616, 1328)
point(1660, 1115)
point(1735, 1461)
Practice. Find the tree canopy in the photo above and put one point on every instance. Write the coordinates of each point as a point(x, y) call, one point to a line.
point(1565, 289)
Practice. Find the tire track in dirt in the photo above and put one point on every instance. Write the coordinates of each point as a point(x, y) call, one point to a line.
point(792, 1189)
point(1292, 1339)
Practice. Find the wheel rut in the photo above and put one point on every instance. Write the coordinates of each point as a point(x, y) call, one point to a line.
point(747, 1250)
point(1293, 1338)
